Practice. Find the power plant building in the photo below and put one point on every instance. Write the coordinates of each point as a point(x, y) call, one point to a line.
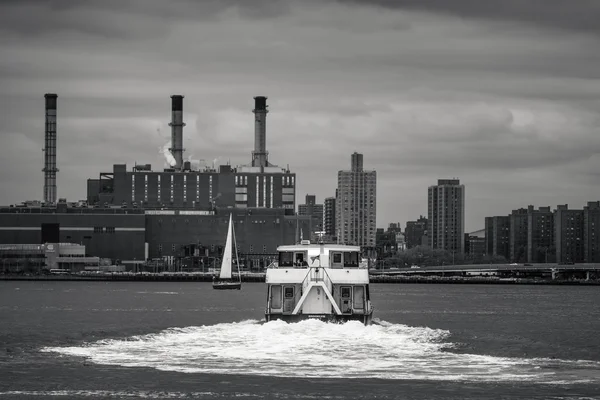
point(182, 210)
point(257, 185)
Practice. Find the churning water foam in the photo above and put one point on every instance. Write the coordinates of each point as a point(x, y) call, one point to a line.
point(316, 349)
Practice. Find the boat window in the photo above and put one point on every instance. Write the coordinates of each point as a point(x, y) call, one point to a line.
point(300, 259)
point(336, 260)
point(351, 259)
point(289, 292)
point(286, 259)
point(346, 292)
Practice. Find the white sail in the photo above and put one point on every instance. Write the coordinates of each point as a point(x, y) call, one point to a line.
point(227, 260)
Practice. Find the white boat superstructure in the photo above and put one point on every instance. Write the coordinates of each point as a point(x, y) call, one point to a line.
point(324, 281)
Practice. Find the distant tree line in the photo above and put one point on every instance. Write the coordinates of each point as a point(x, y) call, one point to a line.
point(425, 256)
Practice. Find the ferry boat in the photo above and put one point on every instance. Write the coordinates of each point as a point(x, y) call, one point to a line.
point(323, 281)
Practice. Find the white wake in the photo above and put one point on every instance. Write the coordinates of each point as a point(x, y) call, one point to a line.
point(320, 350)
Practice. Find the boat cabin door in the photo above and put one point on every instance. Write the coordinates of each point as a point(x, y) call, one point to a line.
point(346, 292)
point(288, 299)
point(276, 297)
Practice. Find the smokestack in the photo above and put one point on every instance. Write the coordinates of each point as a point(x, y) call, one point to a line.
point(50, 169)
point(260, 154)
point(177, 125)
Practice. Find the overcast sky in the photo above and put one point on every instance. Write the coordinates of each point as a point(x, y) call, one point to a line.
point(503, 95)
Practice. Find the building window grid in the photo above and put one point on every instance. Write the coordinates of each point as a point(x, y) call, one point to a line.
point(257, 192)
point(132, 187)
point(172, 187)
point(271, 194)
point(197, 187)
point(158, 186)
point(184, 187)
point(146, 187)
point(265, 192)
point(210, 191)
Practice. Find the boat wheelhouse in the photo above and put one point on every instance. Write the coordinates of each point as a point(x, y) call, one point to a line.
point(323, 281)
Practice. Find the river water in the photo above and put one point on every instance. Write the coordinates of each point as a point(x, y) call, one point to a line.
point(185, 340)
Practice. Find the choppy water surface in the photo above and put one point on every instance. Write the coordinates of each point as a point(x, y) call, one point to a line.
point(184, 340)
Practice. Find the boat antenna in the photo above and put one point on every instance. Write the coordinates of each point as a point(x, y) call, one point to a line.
point(320, 236)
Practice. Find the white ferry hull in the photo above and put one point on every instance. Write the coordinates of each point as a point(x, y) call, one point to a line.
point(366, 319)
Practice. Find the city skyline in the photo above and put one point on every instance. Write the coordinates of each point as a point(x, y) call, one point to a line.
point(505, 99)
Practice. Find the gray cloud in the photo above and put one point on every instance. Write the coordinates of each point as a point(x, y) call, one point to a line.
point(423, 94)
point(580, 15)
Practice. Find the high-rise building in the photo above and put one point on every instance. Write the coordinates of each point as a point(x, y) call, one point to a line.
point(518, 235)
point(540, 235)
point(591, 233)
point(312, 208)
point(329, 217)
point(446, 208)
point(356, 204)
point(568, 234)
point(415, 231)
point(497, 236)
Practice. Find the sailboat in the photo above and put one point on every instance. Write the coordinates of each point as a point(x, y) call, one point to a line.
point(225, 279)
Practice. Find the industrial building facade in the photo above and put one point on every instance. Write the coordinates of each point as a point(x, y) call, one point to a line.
point(182, 210)
point(139, 235)
point(115, 234)
point(356, 205)
point(201, 190)
point(446, 215)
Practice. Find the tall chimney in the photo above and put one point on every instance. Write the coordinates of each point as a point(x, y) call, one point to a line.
point(260, 154)
point(177, 125)
point(50, 169)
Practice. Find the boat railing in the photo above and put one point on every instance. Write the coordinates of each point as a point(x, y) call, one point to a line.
point(274, 264)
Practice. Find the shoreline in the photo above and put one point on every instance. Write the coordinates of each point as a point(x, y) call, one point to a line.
point(261, 278)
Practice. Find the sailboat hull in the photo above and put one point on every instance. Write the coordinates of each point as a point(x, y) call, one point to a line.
point(224, 285)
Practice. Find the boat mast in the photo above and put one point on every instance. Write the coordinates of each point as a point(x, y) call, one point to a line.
point(237, 260)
